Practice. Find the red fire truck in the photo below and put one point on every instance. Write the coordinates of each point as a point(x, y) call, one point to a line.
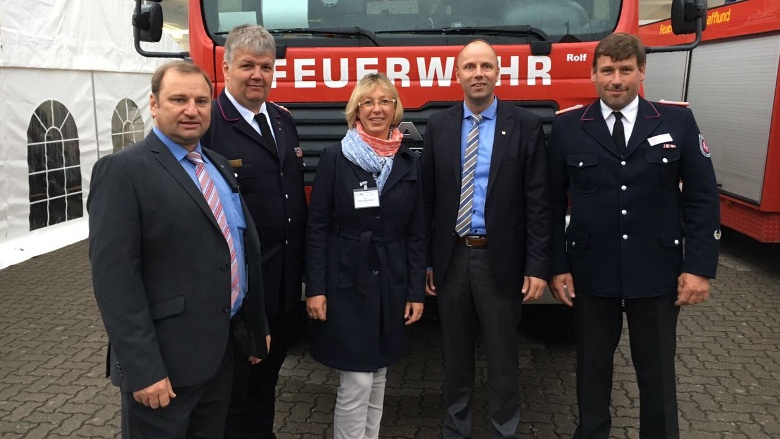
point(326, 46)
point(731, 81)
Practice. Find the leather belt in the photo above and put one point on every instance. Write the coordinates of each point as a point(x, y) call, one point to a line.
point(476, 241)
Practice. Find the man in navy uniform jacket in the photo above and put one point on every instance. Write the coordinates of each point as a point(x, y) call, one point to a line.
point(642, 238)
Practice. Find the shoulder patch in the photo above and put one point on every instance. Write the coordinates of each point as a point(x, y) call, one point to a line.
point(705, 150)
point(678, 103)
point(566, 110)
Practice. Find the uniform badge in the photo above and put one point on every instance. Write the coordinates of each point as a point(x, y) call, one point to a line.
point(298, 152)
point(669, 146)
point(716, 234)
point(705, 151)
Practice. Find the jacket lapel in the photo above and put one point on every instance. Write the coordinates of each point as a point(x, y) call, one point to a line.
point(451, 143)
point(504, 125)
point(401, 166)
point(276, 126)
point(594, 124)
point(163, 155)
point(647, 119)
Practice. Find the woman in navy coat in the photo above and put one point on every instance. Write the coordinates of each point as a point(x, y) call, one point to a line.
point(365, 255)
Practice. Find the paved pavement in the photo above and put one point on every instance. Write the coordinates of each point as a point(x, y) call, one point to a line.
point(52, 351)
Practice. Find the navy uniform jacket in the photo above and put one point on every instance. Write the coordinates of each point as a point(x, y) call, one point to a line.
point(640, 220)
point(273, 189)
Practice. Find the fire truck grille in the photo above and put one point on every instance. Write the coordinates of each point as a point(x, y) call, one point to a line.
point(323, 124)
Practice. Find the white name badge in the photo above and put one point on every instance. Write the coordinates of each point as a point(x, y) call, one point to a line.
point(365, 198)
point(655, 140)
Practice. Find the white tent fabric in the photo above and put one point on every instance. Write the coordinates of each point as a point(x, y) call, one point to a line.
point(69, 75)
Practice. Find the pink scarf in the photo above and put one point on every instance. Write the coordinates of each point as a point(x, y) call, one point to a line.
point(382, 147)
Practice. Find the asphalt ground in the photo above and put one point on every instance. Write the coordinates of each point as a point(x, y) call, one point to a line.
point(52, 363)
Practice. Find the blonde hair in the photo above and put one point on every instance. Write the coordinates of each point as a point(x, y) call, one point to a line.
point(363, 88)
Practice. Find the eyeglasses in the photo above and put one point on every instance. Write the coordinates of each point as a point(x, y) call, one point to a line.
point(368, 103)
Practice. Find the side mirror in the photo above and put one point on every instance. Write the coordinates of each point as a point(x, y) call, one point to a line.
point(688, 17)
point(149, 23)
point(686, 14)
point(148, 27)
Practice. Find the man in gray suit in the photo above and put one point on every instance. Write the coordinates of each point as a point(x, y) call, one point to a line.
point(176, 268)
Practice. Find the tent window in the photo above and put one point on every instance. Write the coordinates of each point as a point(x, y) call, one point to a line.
point(127, 124)
point(53, 163)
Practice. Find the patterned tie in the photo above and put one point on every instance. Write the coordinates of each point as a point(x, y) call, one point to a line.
point(619, 133)
point(212, 198)
point(463, 223)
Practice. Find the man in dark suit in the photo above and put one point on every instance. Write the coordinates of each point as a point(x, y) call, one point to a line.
point(489, 236)
point(261, 142)
point(639, 241)
point(175, 267)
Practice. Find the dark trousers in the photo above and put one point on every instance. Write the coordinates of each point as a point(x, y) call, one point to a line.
point(469, 300)
point(253, 399)
point(197, 411)
point(652, 326)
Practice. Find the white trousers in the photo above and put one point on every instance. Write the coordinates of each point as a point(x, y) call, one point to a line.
point(359, 403)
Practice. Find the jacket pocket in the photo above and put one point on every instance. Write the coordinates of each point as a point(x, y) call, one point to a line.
point(244, 174)
point(664, 168)
point(167, 308)
point(583, 169)
point(576, 239)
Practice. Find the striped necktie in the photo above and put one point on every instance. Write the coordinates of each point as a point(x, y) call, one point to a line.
point(463, 223)
point(212, 198)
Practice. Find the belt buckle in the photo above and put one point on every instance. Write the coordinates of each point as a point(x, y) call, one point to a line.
point(468, 240)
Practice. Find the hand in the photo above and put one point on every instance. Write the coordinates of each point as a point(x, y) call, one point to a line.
point(563, 288)
point(255, 360)
point(533, 288)
point(157, 395)
point(317, 307)
point(430, 288)
point(414, 312)
point(692, 289)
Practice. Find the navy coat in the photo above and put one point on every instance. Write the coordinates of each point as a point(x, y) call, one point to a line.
point(272, 185)
point(638, 218)
point(368, 262)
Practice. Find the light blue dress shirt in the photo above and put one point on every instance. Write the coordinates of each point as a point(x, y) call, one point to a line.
point(231, 204)
point(487, 130)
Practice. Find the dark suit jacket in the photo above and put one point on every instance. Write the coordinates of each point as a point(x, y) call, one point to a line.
point(161, 269)
point(629, 217)
point(273, 189)
point(517, 213)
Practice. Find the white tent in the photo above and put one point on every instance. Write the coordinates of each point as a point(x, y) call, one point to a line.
point(72, 88)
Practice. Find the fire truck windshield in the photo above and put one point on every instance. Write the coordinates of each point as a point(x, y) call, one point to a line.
point(414, 22)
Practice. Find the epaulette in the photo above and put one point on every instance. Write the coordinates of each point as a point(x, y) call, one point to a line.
point(281, 107)
point(566, 110)
point(678, 103)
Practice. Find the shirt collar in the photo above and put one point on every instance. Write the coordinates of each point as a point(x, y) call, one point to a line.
point(629, 112)
point(489, 113)
point(177, 150)
point(245, 112)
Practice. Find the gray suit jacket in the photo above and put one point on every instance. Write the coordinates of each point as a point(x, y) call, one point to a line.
point(161, 270)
